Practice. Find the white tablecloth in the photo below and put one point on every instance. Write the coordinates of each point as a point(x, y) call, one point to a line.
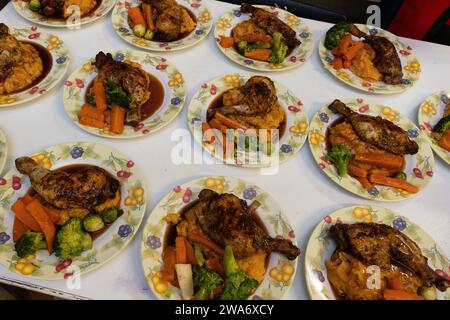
point(304, 192)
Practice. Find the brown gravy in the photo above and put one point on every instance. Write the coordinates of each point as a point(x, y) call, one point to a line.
point(151, 105)
point(72, 169)
point(182, 35)
point(47, 63)
point(218, 102)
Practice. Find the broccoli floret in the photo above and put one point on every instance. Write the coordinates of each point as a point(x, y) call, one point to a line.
point(111, 214)
point(340, 156)
point(442, 125)
point(238, 285)
point(259, 45)
point(71, 240)
point(335, 33)
point(279, 49)
point(93, 222)
point(115, 93)
point(91, 99)
point(29, 243)
point(242, 46)
point(205, 281)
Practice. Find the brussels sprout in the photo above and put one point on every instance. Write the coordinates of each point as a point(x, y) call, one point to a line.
point(34, 5)
point(149, 34)
point(429, 293)
point(139, 30)
point(242, 46)
point(400, 175)
point(111, 214)
point(93, 222)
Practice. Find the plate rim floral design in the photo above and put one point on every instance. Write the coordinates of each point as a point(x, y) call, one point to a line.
point(37, 18)
point(161, 68)
point(315, 271)
point(201, 31)
point(351, 79)
point(60, 64)
point(317, 134)
point(175, 200)
point(72, 153)
point(3, 151)
point(299, 56)
point(290, 143)
point(425, 125)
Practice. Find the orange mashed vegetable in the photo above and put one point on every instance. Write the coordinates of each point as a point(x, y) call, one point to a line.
point(362, 65)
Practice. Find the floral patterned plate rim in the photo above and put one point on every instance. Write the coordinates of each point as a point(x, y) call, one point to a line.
point(419, 167)
point(108, 245)
point(197, 7)
point(296, 58)
point(3, 151)
point(320, 246)
point(292, 139)
point(22, 8)
point(429, 113)
point(169, 76)
point(280, 272)
point(410, 65)
point(60, 63)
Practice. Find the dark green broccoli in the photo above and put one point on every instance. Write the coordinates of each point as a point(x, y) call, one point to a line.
point(279, 49)
point(29, 243)
point(93, 222)
point(91, 99)
point(238, 285)
point(260, 45)
point(71, 240)
point(242, 46)
point(111, 214)
point(335, 33)
point(442, 125)
point(115, 94)
point(205, 281)
point(340, 156)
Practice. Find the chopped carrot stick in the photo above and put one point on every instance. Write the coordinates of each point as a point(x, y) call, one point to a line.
point(190, 252)
point(258, 54)
point(26, 199)
point(53, 214)
point(136, 16)
point(390, 294)
point(215, 265)
point(99, 95)
point(346, 64)
point(393, 182)
point(24, 216)
point(335, 52)
point(216, 124)
point(147, 11)
point(206, 242)
point(387, 161)
point(181, 251)
point(356, 171)
point(444, 142)
point(345, 43)
point(19, 229)
point(37, 210)
point(230, 123)
point(353, 50)
point(365, 182)
point(226, 42)
point(90, 111)
point(396, 283)
point(169, 262)
point(92, 122)
point(337, 63)
point(117, 119)
point(208, 134)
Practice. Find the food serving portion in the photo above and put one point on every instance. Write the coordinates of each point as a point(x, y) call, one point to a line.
point(372, 253)
point(434, 121)
point(31, 63)
point(69, 205)
point(271, 40)
point(248, 121)
point(162, 25)
point(218, 238)
point(125, 94)
point(371, 150)
point(63, 13)
point(368, 58)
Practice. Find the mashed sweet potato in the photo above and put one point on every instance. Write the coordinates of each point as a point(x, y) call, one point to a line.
point(362, 65)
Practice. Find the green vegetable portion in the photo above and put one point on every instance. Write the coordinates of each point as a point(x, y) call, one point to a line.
point(340, 156)
point(148, 35)
point(335, 33)
point(242, 46)
point(35, 5)
point(238, 285)
point(205, 281)
point(115, 93)
point(29, 243)
point(93, 222)
point(71, 240)
point(400, 175)
point(111, 214)
point(91, 99)
point(199, 255)
point(139, 30)
point(279, 49)
point(442, 125)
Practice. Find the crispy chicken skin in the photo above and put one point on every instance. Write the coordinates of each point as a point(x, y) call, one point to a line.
point(245, 28)
point(384, 246)
point(133, 79)
point(270, 23)
point(61, 8)
point(228, 220)
point(377, 131)
point(386, 60)
point(85, 188)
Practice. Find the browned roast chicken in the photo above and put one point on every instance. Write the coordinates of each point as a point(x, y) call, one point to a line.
point(256, 97)
point(227, 220)
point(169, 22)
point(377, 131)
point(383, 246)
point(65, 8)
point(133, 79)
point(85, 188)
point(386, 61)
point(270, 23)
point(10, 52)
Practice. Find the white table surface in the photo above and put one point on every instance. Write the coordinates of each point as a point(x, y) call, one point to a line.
point(304, 192)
